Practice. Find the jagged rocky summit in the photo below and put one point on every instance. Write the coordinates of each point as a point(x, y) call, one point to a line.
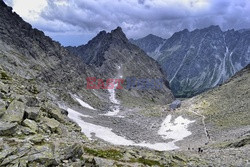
point(111, 55)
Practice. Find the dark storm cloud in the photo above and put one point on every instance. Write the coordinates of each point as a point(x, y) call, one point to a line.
point(141, 17)
point(141, 2)
point(161, 18)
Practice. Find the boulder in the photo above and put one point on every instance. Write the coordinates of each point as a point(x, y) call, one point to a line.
point(32, 112)
point(37, 139)
point(27, 131)
point(74, 151)
point(52, 124)
point(7, 128)
point(64, 112)
point(57, 114)
point(30, 124)
point(175, 104)
point(32, 102)
point(42, 155)
point(15, 112)
point(20, 152)
point(103, 162)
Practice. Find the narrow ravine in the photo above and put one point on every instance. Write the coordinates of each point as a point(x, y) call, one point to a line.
point(115, 108)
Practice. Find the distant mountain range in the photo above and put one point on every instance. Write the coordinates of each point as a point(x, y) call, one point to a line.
point(198, 60)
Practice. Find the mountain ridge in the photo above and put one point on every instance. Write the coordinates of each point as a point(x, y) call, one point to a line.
point(198, 60)
point(110, 54)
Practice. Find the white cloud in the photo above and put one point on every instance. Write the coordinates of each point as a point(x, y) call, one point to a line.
point(29, 10)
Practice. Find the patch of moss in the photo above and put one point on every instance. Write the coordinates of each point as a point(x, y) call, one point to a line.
point(4, 76)
point(151, 112)
point(223, 144)
point(110, 154)
point(147, 162)
point(240, 143)
point(118, 165)
point(8, 99)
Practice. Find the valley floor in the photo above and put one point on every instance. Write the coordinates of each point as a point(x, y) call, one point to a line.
point(184, 131)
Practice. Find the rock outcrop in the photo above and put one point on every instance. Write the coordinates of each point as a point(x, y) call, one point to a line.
point(151, 44)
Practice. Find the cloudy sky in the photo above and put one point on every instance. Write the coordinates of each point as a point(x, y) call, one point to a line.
point(74, 22)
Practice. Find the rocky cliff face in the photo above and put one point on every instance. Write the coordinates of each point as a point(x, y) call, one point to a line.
point(151, 44)
point(28, 53)
point(111, 55)
point(199, 60)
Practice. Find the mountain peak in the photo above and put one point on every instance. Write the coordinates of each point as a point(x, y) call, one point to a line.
point(151, 35)
point(3, 4)
point(214, 28)
point(154, 37)
point(118, 29)
point(119, 34)
point(102, 33)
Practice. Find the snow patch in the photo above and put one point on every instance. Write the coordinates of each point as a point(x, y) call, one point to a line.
point(82, 103)
point(176, 130)
point(75, 114)
point(112, 96)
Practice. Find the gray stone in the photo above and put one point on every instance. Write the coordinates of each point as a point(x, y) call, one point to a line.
point(57, 114)
point(74, 151)
point(51, 123)
point(42, 154)
point(30, 124)
point(37, 139)
point(103, 162)
point(7, 128)
point(176, 104)
point(20, 152)
point(32, 112)
point(32, 102)
point(27, 131)
point(15, 112)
